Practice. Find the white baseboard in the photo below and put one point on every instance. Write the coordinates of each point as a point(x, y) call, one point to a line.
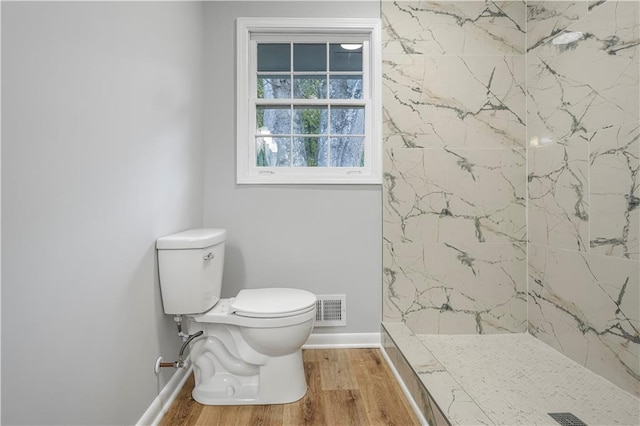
point(342, 340)
point(165, 398)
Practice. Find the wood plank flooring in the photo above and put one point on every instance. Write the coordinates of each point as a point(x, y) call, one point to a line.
point(345, 387)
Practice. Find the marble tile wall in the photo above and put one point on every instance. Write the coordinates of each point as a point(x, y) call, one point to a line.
point(505, 152)
point(584, 184)
point(455, 165)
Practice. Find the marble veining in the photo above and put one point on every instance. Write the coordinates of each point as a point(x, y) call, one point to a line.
point(584, 192)
point(559, 194)
point(614, 166)
point(456, 288)
point(454, 111)
point(497, 143)
point(507, 379)
point(547, 19)
point(454, 195)
point(586, 307)
point(454, 27)
point(446, 398)
point(454, 101)
point(516, 380)
point(589, 84)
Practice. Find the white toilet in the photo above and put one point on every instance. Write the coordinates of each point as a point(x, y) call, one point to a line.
point(250, 352)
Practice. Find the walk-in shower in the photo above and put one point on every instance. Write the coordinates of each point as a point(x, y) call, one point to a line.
point(511, 209)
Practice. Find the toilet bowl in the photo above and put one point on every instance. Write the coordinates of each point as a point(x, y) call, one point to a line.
point(250, 348)
point(250, 360)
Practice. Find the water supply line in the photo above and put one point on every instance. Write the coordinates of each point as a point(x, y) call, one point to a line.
point(180, 362)
point(178, 320)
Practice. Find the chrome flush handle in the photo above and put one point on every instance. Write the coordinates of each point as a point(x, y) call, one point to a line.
point(208, 256)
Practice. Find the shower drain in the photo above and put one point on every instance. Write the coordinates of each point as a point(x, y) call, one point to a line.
point(567, 419)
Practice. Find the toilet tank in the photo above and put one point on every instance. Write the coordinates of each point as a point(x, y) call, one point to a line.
point(190, 264)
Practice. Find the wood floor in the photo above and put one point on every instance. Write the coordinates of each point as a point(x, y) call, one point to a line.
point(345, 387)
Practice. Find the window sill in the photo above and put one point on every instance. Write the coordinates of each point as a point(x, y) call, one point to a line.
point(308, 179)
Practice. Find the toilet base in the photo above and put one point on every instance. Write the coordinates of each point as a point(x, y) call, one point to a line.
point(279, 381)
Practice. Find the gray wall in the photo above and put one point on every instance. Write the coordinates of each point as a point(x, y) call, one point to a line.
point(326, 239)
point(101, 154)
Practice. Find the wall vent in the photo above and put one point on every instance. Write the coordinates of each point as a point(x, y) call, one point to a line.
point(331, 310)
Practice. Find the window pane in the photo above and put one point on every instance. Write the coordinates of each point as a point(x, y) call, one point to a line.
point(308, 151)
point(274, 57)
point(273, 120)
point(345, 87)
point(310, 120)
point(347, 120)
point(309, 87)
point(309, 57)
point(347, 152)
point(273, 151)
point(274, 87)
point(341, 59)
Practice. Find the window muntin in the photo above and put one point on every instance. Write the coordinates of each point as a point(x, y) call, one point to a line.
point(310, 104)
point(309, 130)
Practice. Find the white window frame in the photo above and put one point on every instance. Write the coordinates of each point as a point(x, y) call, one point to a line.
point(247, 172)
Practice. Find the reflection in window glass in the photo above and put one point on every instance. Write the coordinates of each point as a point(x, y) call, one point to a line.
point(310, 57)
point(345, 87)
point(273, 119)
point(274, 87)
point(341, 59)
point(347, 152)
point(274, 57)
point(273, 151)
point(310, 120)
point(309, 151)
point(347, 120)
point(309, 87)
point(311, 127)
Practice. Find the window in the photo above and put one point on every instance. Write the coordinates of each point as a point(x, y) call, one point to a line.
point(308, 98)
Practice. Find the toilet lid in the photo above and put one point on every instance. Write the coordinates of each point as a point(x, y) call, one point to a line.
point(272, 302)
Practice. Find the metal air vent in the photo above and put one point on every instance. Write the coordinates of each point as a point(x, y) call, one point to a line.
point(331, 310)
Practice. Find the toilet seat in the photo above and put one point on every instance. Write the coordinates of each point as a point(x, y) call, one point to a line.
point(272, 302)
point(222, 313)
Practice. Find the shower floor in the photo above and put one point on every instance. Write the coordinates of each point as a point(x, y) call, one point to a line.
point(509, 379)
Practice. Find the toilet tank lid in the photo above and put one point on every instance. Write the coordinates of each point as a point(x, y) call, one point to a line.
point(192, 239)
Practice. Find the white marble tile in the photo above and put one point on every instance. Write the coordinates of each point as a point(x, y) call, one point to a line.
point(454, 101)
point(516, 380)
point(461, 288)
point(402, 278)
point(558, 206)
point(589, 84)
point(614, 186)
point(447, 395)
point(453, 27)
point(458, 407)
point(588, 307)
point(547, 19)
point(454, 195)
point(454, 223)
point(403, 124)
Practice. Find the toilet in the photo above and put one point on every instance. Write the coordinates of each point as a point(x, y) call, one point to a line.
point(250, 351)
